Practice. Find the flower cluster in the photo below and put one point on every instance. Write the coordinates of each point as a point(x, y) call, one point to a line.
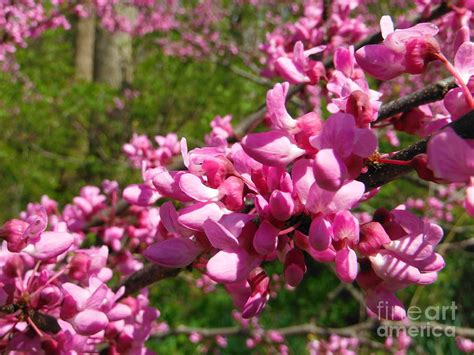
point(301, 169)
point(55, 295)
point(80, 310)
point(141, 152)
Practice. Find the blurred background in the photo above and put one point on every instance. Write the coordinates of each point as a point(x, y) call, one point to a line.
point(79, 95)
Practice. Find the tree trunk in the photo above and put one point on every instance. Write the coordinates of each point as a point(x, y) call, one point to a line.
point(114, 55)
point(85, 40)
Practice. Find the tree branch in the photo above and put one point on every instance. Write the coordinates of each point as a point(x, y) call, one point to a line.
point(460, 245)
point(150, 274)
point(381, 174)
point(431, 93)
point(294, 330)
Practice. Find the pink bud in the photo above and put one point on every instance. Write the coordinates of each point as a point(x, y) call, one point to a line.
point(329, 170)
point(465, 344)
point(281, 205)
point(346, 264)
point(230, 266)
point(89, 322)
point(273, 148)
point(50, 245)
point(173, 253)
point(141, 194)
point(383, 304)
point(262, 206)
point(266, 238)
point(320, 234)
point(193, 186)
point(295, 267)
point(13, 232)
point(194, 216)
point(372, 238)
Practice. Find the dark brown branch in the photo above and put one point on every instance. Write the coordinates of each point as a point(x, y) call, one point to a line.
point(381, 174)
point(431, 93)
point(145, 277)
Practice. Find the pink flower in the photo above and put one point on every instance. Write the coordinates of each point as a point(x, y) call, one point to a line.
point(82, 307)
point(464, 344)
point(266, 238)
point(403, 51)
point(383, 304)
point(451, 157)
point(173, 252)
point(49, 245)
point(295, 267)
point(342, 148)
point(455, 100)
point(410, 257)
point(30, 237)
point(231, 265)
point(224, 234)
point(351, 91)
point(279, 116)
point(141, 194)
point(299, 68)
point(251, 295)
point(273, 148)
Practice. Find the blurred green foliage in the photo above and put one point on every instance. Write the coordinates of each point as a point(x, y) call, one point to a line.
point(58, 135)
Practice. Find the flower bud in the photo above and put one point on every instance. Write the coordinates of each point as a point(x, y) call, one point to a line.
point(13, 232)
point(372, 238)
